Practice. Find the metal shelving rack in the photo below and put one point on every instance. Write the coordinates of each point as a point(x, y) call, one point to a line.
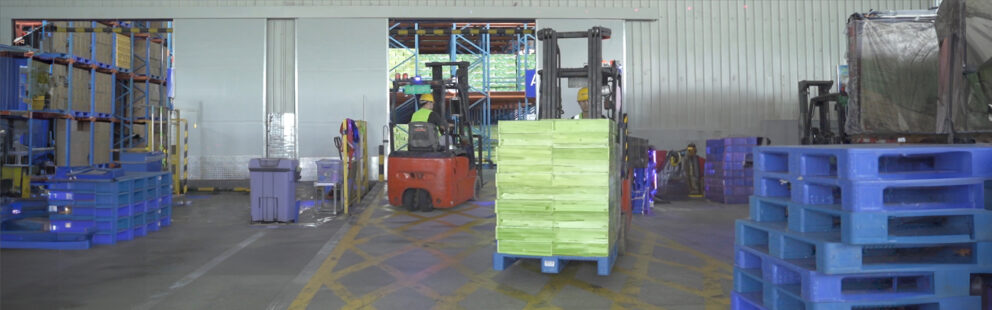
point(123, 98)
point(460, 42)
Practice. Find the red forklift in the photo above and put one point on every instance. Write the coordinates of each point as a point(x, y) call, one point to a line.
point(438, 167)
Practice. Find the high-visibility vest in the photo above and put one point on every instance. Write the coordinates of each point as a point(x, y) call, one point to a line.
point(421, 115)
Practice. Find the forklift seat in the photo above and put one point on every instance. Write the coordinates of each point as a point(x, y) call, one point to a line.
point(424, 137)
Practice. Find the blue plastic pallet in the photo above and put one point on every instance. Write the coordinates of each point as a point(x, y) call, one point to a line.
point(828, 255)
point(777, 301)
point(888, 227)
point(23, 208)
point(83, 224)
point(752, 266)
point(876, 162)
point(554, 264)
point(44, 240)
point(878, 195)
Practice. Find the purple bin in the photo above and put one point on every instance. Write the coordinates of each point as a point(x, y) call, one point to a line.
point(273, 189)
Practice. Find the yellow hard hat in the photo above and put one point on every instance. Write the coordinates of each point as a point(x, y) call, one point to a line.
point(583, 94)
point(427, 97)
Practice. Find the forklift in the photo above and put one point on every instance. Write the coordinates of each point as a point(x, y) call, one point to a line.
point(604, 82)
point(439, 167)
point(819, 106)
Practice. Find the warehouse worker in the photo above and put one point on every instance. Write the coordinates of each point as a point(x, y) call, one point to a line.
point(426, 113)
point(583, 99)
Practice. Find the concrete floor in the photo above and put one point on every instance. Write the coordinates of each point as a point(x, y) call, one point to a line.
point(381, 257)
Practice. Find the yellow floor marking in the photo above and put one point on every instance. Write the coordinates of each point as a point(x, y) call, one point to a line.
point(713, 271)
point(306, 294)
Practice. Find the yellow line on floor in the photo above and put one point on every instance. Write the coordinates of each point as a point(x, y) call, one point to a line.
point(306, 294)
point(713, 270)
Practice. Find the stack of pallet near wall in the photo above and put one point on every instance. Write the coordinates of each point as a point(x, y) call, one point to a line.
point(728, 175)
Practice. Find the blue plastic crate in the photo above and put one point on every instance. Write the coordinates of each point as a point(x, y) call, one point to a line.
point(554, 264)
point(153, 226)
point(140, 230)
point(876, 162)
point(113, 238)
point(817, 287)
point(69, 211)
point(709, 173)
point(166, 216)
point(742, 191)
point(23, 208)
point(827, 254)
point(139, 220)
point(153, 216)
point(86, 173)
point(82, 225)
point(727, 199)
point(142, 161)
point(777, 300)
point(878, 195)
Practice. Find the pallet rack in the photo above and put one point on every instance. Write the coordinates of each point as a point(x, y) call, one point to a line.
point(474, 39)
point(126, 67)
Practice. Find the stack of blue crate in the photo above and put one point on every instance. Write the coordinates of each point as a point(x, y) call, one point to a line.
point(865, 227)
point(728, 176)
point(115, 205)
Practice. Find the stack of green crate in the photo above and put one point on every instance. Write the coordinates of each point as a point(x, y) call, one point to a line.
point(557, 183)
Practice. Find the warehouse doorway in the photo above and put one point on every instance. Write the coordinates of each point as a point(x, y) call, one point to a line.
point(502, 54)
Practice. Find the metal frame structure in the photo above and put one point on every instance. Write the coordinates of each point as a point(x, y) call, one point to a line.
point(820, 105)
point(460, 43)
point(597, 75)
point(124, 96)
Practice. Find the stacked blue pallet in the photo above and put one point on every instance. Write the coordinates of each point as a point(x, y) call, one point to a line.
point(117, 206)
point(857, 227)
point(728, 176)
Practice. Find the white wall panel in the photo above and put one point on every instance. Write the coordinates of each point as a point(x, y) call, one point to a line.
point(280, 88)
point(341, 76)
point(710, 68)
point(219, 82)
point(717, 69)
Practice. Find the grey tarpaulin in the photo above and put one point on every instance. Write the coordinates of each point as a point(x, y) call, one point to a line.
point(893, 72)
point(964, 28)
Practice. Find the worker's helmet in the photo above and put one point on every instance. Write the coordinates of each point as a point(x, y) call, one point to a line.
point(427, 97)
point(583, 94)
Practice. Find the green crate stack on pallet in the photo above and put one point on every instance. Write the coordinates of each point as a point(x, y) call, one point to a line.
point(557, 184)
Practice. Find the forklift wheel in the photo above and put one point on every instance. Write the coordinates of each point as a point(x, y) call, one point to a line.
point(410, 200)
point(424, 201)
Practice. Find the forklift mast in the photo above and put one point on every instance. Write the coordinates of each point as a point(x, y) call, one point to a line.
point(599, 77)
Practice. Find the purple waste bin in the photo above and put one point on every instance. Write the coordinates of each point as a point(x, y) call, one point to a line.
point(273, 189)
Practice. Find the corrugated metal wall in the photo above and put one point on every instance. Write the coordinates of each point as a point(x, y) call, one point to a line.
point(280, 88)
point(275, 3)
point(711, 68)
